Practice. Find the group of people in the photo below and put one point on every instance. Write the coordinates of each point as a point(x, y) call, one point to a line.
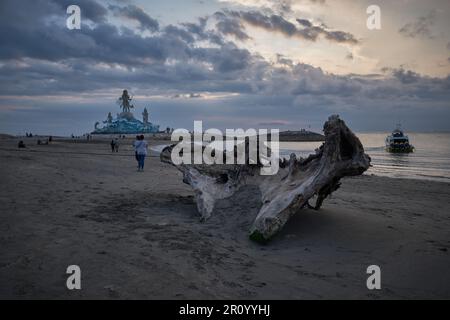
point(46, 141)
point(140, 149)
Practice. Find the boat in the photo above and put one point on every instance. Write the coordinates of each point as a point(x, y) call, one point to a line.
point(398, 142)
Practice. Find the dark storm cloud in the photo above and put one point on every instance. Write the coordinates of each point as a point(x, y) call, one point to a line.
point(284, 61)
point(135, 13)
point(281, 6)
point(231, 26)
point(44, 36)
point(52, 59)
point(225, 59)
point(198, 30)
point(421, 27)
point(305, 23)
point(91, 9)
point(313, 31)
point(179, 33)
point(103, 43)
point(31, 13)
point(40, 33)
point(276, 23)
point(338, 36)
point(406, 76)
point(47, 58)
point(40, 57)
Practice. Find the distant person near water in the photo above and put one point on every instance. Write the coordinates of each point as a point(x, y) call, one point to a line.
point(116, 145)
point(113, 145)
point(140, 147)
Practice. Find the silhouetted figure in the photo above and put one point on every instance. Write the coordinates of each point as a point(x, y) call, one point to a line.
point(113, 145)
point(134, 145)
point(21, 144)
point(140, 147)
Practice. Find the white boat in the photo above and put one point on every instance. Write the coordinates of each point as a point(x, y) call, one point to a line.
point(398, 142)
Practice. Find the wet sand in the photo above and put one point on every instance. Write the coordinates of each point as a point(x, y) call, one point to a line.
point(137, 235)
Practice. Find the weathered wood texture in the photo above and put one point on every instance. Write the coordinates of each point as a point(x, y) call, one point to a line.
point(286, 193)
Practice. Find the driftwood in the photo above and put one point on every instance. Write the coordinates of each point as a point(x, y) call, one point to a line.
point(284, 194)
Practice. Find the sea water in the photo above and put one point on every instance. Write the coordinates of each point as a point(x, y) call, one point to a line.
point(430, 160)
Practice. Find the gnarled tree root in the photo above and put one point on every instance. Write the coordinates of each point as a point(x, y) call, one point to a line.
point(284, 194)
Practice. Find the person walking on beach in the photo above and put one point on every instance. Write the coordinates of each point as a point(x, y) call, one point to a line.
point(140, 147)
point(134, 146)
point(113, 145)
point(116, 145)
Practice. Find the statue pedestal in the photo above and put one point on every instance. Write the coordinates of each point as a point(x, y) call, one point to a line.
point(125, 123)
point(126, 115)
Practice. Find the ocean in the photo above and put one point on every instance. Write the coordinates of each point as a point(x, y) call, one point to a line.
point(430, 160)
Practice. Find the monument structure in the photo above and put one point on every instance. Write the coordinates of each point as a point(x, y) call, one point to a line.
point(125, 122)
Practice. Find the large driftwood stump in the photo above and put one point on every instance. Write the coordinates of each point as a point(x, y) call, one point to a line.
point(284, 194)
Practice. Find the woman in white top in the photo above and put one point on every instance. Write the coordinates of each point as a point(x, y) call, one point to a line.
point(140, 147)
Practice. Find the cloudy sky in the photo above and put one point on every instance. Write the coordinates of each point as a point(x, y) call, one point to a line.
point(231, 63)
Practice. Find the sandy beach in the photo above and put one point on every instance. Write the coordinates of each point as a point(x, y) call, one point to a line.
point(137, 235)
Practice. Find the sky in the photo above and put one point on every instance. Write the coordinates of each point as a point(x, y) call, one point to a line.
point(230, 63)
